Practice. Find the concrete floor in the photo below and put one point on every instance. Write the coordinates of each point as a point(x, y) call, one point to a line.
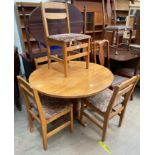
point(84, 140)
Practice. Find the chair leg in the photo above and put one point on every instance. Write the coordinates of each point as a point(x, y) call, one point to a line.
point(105, 124)
point(71, 119)
point(88, 53)
point(131, 98)
point(81, 112)
point(65, 68)
point(30, 118)
point(121, 118)
point(44, 136)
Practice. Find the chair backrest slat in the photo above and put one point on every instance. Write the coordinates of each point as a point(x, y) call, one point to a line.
point(56, 15)
point(54, 5)
point(40, 60)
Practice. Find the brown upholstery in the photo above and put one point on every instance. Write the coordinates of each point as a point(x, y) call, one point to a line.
point(68, 37)
point(51, 106)
point(102, 100)
point(118, 27)
point(118, 80)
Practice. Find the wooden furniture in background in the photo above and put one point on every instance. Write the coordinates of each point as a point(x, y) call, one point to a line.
point(134, 10)
point(45, 110)
point(122, 10)
point(130, 71)
point(108, 104)
point(28, 8)
point(69, 42)
point(108, 8)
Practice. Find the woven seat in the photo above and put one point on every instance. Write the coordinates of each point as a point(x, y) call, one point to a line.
point(51, 106)
point(118, 80)
point(69, 37)
point(102, 100)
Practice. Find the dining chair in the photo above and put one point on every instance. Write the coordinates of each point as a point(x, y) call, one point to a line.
point(45, 110)
point(108, 104)
point(69, 42)
point(40, 60)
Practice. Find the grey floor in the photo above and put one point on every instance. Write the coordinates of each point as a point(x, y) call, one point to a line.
point(84, 140)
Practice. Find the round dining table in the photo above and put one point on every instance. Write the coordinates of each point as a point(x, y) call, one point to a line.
point(79, 83)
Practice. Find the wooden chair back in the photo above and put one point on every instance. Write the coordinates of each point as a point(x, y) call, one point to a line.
point(40, 60)
point(125, 89)
point(46, 15)
point(130, 22)
point(30, 94)
point(109, 11)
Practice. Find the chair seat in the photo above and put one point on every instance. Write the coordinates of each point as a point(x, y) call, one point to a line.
point(68, 37)
point(127, 72)
point(101, 100)
point(118, 80)
point(52, 106)
point(118, 28)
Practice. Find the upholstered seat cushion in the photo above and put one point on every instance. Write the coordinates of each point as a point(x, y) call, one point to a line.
point(68, 37)
point(101, 100)
point(118, 80)
point(51, 106)
point(118, 27)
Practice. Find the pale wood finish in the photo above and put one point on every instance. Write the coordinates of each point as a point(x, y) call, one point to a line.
point(80, 83)
point(32, 93)
point(98, 49)
point(66, 48)
point(56, 15)
point(124, 89)
point(54, 5)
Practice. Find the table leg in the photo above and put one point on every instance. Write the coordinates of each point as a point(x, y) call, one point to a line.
point(117, 42)
point(79, 111)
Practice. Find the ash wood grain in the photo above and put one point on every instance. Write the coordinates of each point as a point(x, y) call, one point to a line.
point(81, 82)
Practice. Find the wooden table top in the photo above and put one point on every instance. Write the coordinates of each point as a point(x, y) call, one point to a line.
point(124, 54)
point(81, 82)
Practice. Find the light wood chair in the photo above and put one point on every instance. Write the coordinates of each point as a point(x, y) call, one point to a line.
point(40, 60)
point(108, 104)
point(69, 42)
point(45, 110)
